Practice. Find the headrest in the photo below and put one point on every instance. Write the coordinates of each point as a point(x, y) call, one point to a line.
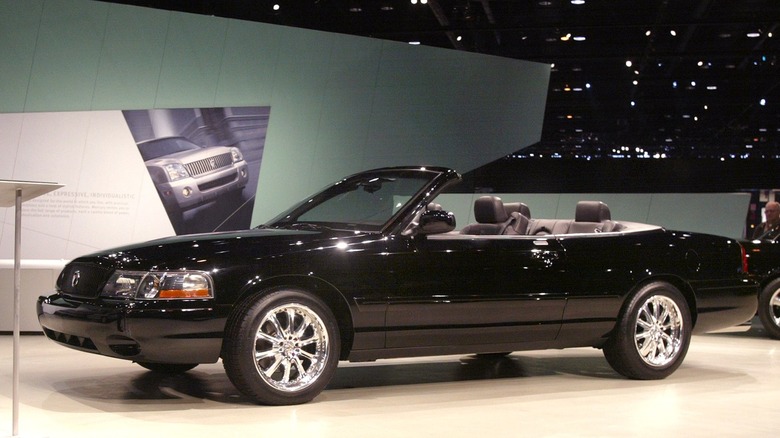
point(518, 207)
point(591, 211)
point(433, 207)
point(489, 210)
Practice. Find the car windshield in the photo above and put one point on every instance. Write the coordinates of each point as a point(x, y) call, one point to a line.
point(165, 146)
point(366, 202)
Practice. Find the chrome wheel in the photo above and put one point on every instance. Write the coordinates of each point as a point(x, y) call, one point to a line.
point(291, 347)
point(658, 334)
point(774, 308)
point(281, 346)
point(769, 308)
point(652, 333)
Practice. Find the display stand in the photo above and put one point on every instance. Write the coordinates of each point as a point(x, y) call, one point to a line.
point(15, 193)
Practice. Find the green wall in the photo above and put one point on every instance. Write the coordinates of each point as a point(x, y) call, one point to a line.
point(339, 104)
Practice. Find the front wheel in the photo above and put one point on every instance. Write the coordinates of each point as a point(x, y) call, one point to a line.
point(281, 348)
point(652, 333)
point(769, 308)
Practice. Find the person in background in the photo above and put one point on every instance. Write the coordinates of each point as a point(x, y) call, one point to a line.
point(771, 228)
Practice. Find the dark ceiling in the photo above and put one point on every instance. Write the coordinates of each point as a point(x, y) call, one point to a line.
point(703, 79)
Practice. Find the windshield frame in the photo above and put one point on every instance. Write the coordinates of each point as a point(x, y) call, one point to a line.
point(433, 180)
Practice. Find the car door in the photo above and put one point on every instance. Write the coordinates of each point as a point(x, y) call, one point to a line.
point(472, 290)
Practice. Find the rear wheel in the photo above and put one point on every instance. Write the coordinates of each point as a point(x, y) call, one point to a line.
point(769, 308)
point(652, 334)
point(282, 348)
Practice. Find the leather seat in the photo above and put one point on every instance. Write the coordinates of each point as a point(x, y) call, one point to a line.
point(590, 217)
point(518, 207)
point(492, 218)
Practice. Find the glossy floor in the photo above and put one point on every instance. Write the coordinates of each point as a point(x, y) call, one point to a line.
point(729, 385)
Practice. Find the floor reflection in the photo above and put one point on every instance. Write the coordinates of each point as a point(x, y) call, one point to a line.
point(468, 368)
point(137, 387)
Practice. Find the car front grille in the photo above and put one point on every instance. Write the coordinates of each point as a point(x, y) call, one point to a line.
point(82, 280)
point(209, 164)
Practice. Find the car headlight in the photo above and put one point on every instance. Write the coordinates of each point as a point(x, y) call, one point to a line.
point(236, 154)
point(159, 285)
point(176, 171)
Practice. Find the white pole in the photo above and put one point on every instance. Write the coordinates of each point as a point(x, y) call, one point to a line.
point(17, 306)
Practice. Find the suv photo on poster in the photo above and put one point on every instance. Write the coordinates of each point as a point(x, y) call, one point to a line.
point(204, 163)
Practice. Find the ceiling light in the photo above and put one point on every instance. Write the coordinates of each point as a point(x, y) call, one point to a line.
point(712, 87)
point(578, 2)
point(579, 38)
point(762, 102)
point(648, 33)
point(629, 63)
point(566, 37)
point(673, 32)
point(753, 34)
point(276, 6)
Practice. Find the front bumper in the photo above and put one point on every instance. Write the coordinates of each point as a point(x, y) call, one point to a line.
point(204, 188)
point(157, 331)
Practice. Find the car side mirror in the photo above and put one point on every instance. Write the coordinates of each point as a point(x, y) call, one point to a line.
point(436, 221)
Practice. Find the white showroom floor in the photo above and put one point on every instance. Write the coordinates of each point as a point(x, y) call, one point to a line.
point(729, 385)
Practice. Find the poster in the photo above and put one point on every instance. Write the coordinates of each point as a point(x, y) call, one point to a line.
point(112, 195)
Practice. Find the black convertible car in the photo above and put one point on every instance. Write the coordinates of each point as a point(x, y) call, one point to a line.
point(372, 268)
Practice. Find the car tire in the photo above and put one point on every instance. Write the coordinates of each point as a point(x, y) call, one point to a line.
point(769, 308)
point(281, 348)
point(652, 334)
point(168, 368)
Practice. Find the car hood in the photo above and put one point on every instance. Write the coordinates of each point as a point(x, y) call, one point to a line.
point(207, 250)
